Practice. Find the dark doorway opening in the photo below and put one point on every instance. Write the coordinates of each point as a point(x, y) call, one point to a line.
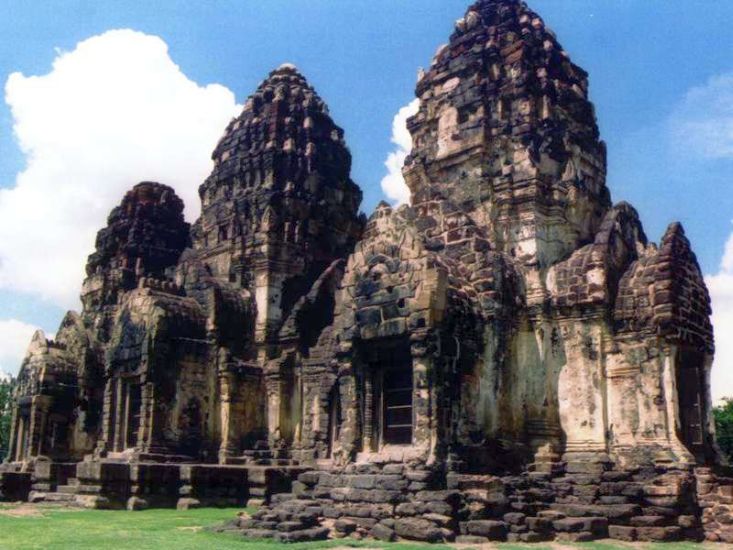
point(388, 395)
point(397, 402)
point(134, 404)
point(691, 381)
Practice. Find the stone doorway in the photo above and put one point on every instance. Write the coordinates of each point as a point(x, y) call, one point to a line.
point(334, 419)
point(134, 403)
point(387, 398)
point(396, 403)
point(693, 413)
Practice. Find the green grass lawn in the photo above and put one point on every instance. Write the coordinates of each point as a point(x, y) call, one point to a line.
point(51, 528)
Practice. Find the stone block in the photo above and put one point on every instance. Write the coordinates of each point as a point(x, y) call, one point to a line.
point(649, 521)
point(582, 536)
point(622, 532)
point(493, 530)
point(417, 529)
point(658, 534)
point(383, 533)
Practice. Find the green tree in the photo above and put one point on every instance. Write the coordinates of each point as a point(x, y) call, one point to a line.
point(723, 415)
point(5, 416)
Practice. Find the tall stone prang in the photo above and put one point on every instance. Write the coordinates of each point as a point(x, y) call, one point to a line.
point(508, 358)
point(145, 235)
point(280, 205)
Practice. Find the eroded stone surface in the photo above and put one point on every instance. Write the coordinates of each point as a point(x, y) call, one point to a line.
point(507, 359)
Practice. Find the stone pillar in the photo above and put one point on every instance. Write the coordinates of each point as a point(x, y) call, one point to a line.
point(367, 432)
point(582, 388)
point(106, 442)
point(709, 418)
point(349, 436)
point(147, 400)
point(39, 413)
point(672, 403)
point(20, 449)
point(118, 416)
point(13, 441)
point(273, 390)
point(227, 447)
point(425, 413)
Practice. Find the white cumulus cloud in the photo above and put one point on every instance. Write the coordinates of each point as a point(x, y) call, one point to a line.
point(114, 111)
point(16, 335)
point(721, 293)
point(393, 184)
point(703, 122)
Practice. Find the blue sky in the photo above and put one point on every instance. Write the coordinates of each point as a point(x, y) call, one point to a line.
point(661, 74)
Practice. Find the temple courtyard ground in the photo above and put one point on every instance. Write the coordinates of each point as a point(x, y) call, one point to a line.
point(26, 526)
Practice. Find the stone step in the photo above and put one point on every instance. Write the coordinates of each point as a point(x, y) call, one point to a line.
point(60, 497)
point(467, 482)
point(258, 491)
point(68, 489)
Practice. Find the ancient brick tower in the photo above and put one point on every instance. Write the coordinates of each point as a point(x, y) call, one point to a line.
point(508, 358)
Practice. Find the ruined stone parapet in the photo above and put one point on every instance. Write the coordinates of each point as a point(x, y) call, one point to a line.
point(664, 293)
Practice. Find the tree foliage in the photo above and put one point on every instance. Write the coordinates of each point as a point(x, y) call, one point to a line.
point(723, 415)
point(5, 416)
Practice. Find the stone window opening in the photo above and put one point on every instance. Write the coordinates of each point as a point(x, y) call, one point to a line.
point(396, 409)
point(223, 233)
point(133, 405)
point(388, 417)
point(127, 404)
point(58, 432)
point(690, 384)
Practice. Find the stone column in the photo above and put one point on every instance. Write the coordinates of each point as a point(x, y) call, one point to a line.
point(227, 447)
point(13, 441)
point(20, 450)
point(709, 419)
point(119, 417)
point(345, 448)
point(106, 442)
point(273, 391)
point(147, 399)
point(39, 412)
point(425, 412)
point(672, 403)
point(368, 421)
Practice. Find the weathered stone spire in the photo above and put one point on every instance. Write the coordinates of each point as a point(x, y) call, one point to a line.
point(506, 131)
point(280, 205)
point(145, 235)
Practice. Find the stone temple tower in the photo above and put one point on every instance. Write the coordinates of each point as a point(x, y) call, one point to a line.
point(280, 205)
point(508, 358)
point(507, 134)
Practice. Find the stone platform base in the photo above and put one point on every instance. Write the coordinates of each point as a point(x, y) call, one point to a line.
point(575, 501)
point(110, 484)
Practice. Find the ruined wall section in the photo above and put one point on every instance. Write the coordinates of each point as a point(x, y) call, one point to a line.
point(664, 293)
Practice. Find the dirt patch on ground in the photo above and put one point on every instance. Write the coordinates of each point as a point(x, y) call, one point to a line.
point(22, 511)
point(193, 529)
